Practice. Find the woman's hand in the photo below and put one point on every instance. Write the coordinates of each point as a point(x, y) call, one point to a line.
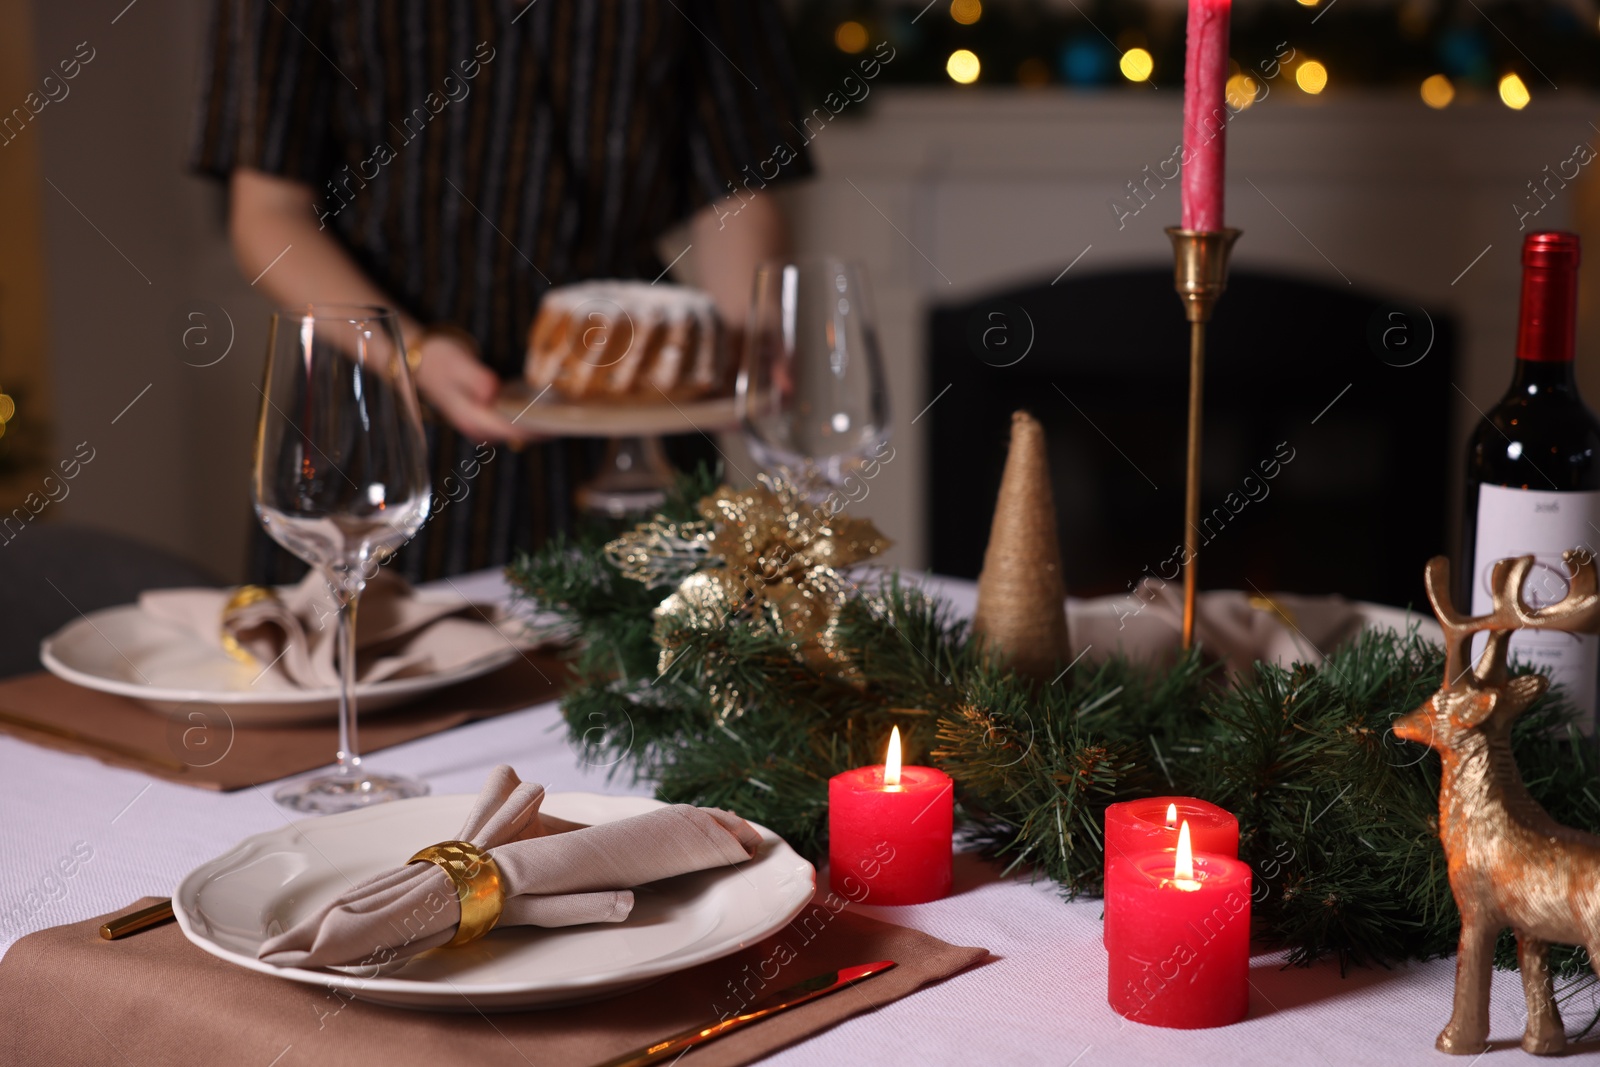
point(462, 390)
point(271, 215)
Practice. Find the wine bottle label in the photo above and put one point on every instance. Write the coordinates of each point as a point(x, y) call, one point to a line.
point(1522, 522)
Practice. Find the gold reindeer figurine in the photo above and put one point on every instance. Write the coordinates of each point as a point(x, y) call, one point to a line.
point(1510, 863)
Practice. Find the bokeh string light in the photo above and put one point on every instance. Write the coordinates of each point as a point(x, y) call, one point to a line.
point(963, 66)
point(1311, 77)
point(1437, 91)
point(1241, 91)
point(1391, 45)
point(1137, 65)
point(1513, 93)
point(850, 37)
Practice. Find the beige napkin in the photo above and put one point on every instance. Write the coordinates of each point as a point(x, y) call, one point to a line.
point(554, 873)
point(1230, 626)
point(397, 633)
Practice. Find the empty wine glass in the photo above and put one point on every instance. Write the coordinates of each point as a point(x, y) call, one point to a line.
point(811, 395)
point(341, 480)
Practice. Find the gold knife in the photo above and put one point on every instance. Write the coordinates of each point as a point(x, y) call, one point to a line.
point(133, 922)
point(782, 1000)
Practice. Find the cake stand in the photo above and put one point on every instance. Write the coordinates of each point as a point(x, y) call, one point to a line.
point(635, 475)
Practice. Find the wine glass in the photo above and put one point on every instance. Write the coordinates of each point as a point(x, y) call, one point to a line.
point(341, 480)
point(811, 394)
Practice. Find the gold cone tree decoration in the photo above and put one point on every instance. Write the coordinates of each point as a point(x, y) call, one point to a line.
point(1022, 610)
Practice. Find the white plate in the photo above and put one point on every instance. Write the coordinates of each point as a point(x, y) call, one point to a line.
point(1400, 620)
point(544, 414)
point(122, 650)
point(270, 881)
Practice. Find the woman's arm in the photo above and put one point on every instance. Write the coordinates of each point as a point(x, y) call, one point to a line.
point(272, 217)
point(731, 238)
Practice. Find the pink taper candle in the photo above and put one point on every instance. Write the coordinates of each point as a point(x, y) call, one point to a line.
point(1205, 113)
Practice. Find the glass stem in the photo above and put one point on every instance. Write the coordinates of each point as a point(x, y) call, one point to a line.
point(345, 635)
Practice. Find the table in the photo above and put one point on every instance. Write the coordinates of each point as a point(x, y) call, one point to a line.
point(1042, 1001)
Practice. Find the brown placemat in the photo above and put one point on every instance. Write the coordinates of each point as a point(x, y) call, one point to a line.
point(155, 998)
point(213, 753)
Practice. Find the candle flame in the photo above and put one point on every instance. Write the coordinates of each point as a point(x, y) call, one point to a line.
point(1183, 864)
point(891, 765)
point(1172, 816)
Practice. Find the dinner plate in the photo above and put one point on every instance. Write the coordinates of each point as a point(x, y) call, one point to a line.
point(541, 413)
point(1400, 620)
point(124, 651)
point(272, 880)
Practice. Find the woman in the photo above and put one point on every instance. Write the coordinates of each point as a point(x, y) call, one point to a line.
point(454, 161)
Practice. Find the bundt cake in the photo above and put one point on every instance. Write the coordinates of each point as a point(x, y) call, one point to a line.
point(614, 342)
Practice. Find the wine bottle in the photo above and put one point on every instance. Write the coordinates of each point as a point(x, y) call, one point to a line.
point(1533, 472)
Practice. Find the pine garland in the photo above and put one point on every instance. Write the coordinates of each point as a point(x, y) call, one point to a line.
point(1338, 818)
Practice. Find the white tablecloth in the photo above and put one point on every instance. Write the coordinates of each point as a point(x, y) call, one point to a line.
point(1042, 1001)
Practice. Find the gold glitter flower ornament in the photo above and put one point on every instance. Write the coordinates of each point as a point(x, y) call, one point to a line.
point(763, 554)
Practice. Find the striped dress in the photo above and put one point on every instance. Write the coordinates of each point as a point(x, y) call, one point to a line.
point(471, 154)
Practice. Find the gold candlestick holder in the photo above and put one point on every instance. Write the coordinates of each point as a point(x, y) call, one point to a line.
point(1200, 274)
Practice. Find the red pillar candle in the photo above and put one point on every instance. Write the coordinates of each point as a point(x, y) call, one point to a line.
point(1135, 827)
point(1147, 825)
point(889, 832)
point(1182, 956)
point(1205, 113)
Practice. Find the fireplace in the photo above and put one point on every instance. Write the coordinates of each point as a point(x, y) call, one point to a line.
point(1326, 440)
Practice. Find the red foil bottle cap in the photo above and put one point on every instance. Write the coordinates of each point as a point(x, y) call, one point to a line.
point(1546, 326)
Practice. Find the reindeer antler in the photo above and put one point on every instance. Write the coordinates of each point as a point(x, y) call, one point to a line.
point(1577, 612)
point(1505, 583)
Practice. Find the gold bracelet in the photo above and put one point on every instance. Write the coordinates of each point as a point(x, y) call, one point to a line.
point(441, 329)
point(479, 889)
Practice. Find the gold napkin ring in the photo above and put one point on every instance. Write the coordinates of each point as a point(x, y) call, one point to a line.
point(478, 886)
point(1275, 608)
point(242, 598)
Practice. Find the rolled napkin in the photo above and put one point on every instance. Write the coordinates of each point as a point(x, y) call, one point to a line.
point(553, 873)
point(290, 635)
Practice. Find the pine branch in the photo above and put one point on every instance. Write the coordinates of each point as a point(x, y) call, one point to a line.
point(1338, 818)
point(1036, 776)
